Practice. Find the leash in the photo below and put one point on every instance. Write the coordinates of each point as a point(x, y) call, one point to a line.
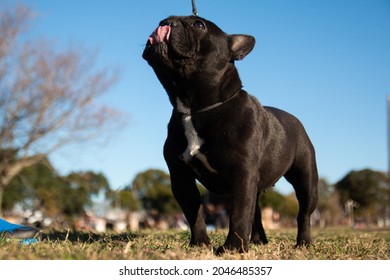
point(194, 11)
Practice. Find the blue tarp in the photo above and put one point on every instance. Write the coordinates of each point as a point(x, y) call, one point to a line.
point(26, 234)
point(8, 227)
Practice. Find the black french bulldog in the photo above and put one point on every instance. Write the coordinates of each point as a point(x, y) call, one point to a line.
point(222, 136)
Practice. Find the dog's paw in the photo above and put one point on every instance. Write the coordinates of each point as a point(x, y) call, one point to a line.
point(220, 251)
point(259, 242)
point(229, 249)
point(200, 243)
point(301, 246)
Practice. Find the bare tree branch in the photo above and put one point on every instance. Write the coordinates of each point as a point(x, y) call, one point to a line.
point(48, 98)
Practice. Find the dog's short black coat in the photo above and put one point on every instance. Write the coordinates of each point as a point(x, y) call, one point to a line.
point(222, 136)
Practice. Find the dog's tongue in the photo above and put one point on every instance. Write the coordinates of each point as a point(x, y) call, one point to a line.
point(161, 34)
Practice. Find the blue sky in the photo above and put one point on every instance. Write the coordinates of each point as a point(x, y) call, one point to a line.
point(327, 62)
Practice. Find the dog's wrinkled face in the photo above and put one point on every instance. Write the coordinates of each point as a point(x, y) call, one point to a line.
point(180, 41)
point(184, 46)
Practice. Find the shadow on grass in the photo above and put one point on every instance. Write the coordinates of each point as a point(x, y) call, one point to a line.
point(88, 237)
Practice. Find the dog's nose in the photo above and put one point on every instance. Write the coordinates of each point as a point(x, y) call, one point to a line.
point(167, 22)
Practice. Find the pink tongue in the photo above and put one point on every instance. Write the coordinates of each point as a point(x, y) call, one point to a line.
point(161, 34)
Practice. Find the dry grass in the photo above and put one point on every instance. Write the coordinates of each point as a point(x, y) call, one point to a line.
point(329, 244)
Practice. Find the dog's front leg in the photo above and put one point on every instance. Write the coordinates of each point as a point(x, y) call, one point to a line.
point(244, 193)
point(187, 194)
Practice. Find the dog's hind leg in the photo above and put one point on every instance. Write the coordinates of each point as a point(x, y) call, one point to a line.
point(258, 234)
point(304, 181)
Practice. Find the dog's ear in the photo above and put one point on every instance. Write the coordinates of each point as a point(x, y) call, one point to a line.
point(240, 45)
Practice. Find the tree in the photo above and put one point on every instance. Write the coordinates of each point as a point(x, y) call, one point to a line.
point(128, 200)
point(153, 188)
point(39, 187)
point(272, 198)
point(286, 205)
point(84, 186)
point(48, 98)
point(290, 207)
point(367, 188)
point(328, 204)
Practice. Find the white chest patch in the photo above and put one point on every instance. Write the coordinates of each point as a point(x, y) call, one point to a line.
point(193, 139)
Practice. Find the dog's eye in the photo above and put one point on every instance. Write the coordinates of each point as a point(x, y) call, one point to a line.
point(199, 24)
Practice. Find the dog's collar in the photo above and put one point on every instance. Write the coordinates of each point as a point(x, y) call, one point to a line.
point(208, 108)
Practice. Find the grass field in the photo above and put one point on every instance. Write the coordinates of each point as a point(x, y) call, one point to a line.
point(329, 244)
